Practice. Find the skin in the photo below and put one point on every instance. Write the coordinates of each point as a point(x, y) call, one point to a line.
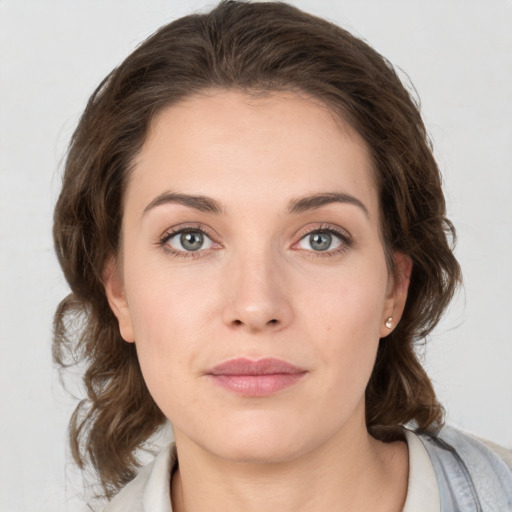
point(260, 289)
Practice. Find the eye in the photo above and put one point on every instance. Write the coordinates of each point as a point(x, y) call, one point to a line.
point(321, 241)
point(189, 240)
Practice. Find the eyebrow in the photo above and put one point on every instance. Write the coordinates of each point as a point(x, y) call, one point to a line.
point(315, 201)
point(200, 203)
point(295, 206)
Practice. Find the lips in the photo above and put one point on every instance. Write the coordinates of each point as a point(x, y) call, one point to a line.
point(256, 378)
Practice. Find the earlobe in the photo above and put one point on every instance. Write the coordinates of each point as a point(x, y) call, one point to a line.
point(397, 293)
point(116, 296)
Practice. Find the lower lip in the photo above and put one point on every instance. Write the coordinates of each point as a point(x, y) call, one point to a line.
point(257, 385)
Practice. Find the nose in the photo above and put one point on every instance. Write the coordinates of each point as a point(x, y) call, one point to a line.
point(258, 297)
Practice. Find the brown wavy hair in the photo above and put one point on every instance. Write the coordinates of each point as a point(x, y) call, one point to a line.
point(253, 47)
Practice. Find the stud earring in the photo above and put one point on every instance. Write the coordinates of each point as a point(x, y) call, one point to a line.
point(389, 322)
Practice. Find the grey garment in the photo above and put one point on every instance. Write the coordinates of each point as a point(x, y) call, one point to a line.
point(471, 477)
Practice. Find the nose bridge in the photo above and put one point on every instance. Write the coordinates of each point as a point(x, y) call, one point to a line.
point(256, 299)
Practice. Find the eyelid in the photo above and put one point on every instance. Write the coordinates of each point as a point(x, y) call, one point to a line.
point(183, 228)
point(342, 234)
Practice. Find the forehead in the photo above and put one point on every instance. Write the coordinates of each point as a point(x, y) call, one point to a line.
point(266, 148)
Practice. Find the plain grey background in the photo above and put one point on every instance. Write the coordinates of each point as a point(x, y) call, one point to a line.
point(53, 53)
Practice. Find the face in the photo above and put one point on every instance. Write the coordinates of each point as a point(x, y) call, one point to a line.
point(254, 280)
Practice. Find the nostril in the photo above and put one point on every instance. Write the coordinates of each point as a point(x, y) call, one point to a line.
point(238, 322)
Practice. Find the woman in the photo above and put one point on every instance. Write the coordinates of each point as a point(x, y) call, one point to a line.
point(253, 229)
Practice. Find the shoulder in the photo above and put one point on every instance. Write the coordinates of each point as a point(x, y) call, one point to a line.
point(149, 491)
point(503, 453)
point(472, 450)
point(469, 472)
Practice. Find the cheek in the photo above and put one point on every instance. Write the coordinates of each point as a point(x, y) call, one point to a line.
point(344, 318)
point(348, 304)
point(164, 302)
point(165, 349)
point(172, 314)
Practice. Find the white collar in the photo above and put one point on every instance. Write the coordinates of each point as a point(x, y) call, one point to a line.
point(150, 490)
point(422, 488)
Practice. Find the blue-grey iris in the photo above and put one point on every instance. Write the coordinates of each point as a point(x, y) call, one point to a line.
point(320, 241)
point(192, 240)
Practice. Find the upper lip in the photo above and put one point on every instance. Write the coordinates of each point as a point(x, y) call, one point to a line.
point(244, 366)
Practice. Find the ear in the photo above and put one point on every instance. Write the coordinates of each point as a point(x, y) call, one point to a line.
point(116, 296)
point(398, 287)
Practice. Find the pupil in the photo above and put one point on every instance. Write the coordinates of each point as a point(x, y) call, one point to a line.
point(320, 241)
point(191, 241)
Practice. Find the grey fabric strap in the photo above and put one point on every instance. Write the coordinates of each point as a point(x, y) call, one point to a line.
point(471, 477)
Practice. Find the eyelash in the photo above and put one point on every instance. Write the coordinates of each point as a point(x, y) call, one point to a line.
point(163, 242)
point(344, 236)
point(346, 241)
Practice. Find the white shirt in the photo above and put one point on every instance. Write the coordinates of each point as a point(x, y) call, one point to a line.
point(422, 489)
point(150, 490)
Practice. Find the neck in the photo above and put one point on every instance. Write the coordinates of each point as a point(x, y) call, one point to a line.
point(346, 473)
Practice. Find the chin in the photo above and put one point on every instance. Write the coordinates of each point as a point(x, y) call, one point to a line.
point(261, 440)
